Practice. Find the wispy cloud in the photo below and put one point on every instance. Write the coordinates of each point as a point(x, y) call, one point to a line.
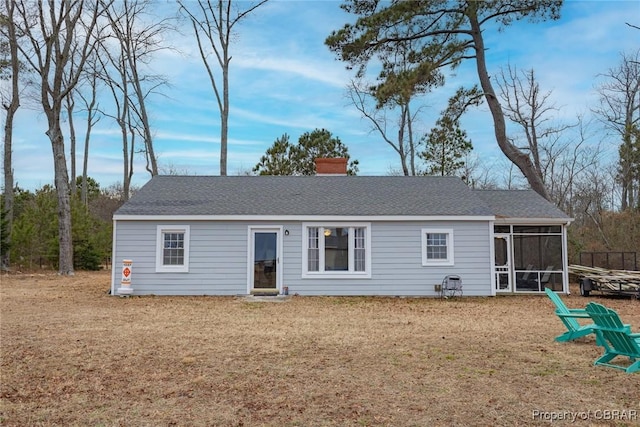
point(309, 70)
point(285, 80)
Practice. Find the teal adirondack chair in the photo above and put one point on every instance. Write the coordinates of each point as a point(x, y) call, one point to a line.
point(615, 337)
point(568, 316)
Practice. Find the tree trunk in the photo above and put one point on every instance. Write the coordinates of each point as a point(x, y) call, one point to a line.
point(401, 148)
point(54, 133)
point(224, 115)
point(126, 173)
point(85, 158)
point(132, 151)
point(8, 173)
point(412, 147)
point(85, 167)
point(152, 162)
point(520, 159)
point(11, 108)
point(72, 142)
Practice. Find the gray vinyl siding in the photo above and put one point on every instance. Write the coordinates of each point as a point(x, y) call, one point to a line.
point(218, 260)
point(396, 260)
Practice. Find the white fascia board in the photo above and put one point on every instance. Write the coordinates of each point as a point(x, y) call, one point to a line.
point(536, 221)
point(113, 257)
point(281, 218)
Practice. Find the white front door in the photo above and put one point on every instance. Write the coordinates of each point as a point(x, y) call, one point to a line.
point(264, 260)
point(502, 265)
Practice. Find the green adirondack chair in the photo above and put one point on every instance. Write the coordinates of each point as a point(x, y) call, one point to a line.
point(615, 337)
point(568, 316)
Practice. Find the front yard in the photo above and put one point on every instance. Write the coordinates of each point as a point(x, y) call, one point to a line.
point(74, 356)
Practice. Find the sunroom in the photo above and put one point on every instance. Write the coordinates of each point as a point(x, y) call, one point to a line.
point(529, 258)
point(529, 242)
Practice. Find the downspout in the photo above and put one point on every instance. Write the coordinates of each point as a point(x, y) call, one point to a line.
point(492, 257)
point(565, 259)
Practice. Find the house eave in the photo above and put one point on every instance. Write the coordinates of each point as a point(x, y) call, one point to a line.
point(282, 218)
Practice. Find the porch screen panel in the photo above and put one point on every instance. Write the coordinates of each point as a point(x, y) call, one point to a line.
point(501, 251)
point(551, 252)
point(537, 252)
point(552, 280)
point(537, 258)
point(526, 250)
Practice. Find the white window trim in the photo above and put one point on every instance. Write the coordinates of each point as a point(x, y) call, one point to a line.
point(336, 274)
point(437, 262)
point(162, 229)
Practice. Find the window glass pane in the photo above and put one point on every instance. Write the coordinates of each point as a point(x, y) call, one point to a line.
point(502, 229)
point(173, 250)
point(436, 246)
point(265, 268)
point(313, 251)
point(336, 249)
point(359, 245)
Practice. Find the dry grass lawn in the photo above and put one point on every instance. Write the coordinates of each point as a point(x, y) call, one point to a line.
point(74, 356)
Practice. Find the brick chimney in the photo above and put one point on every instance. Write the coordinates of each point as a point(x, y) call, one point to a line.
point(335, 166)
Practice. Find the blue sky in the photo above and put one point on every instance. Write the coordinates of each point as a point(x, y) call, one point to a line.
point(285, 80)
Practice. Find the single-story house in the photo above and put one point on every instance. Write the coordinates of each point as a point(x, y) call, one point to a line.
point(333, 234)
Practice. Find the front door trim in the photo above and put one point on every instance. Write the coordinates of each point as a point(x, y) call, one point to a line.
point(252, 229)
point(503, 270)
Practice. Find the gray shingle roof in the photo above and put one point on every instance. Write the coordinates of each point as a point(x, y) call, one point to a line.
point(325, 196)
point(519, 204)
point(304, 195)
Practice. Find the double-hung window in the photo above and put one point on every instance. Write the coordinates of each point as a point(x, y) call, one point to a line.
point(337, 250)
point(172, 248)
point(437, 247)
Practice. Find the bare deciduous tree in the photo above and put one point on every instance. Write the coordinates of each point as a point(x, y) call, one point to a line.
point(405, 144)
point(91, 108)
point(477, 174)
point(619, 110)
point(116, 80)
point(51, 35)
point(213, 24)
point(566, 159)
point(10, 103)
point(124, 59)
point(137, 42)
point(69, 106)
point(559, 152)
point(592, 199)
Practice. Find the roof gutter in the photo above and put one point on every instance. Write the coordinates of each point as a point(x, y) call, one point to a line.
point(529, 221)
